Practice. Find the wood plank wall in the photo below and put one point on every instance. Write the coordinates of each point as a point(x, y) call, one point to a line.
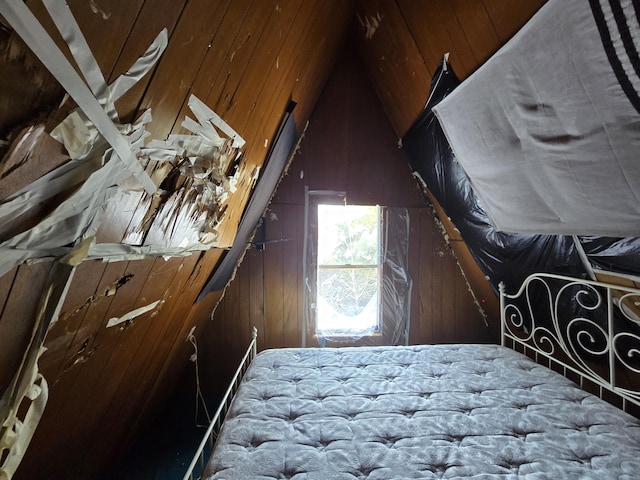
point(246, 59)
point(349, 146)
point(402, 43)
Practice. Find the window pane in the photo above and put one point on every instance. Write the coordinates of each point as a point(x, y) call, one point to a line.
point(347, 299)
point(347, 235)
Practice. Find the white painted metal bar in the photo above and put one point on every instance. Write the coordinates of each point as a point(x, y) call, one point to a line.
point(582, 336)
point(216, 422)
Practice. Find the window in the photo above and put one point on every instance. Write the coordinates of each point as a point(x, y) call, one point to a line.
point(349, 270)
point(356, 285)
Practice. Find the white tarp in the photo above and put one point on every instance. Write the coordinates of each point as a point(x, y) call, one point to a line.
point(548, 130)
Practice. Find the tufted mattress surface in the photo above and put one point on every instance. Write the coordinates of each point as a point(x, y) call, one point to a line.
point(440, 411)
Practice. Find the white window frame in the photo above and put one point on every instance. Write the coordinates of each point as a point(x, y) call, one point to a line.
point(378, 266)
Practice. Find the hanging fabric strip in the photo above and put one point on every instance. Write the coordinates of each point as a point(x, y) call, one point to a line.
point(66, 23)
point(107, 95)
point(34, 35)
point(206, 116)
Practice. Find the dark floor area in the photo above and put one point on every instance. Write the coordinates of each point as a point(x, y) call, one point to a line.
point(164, 451)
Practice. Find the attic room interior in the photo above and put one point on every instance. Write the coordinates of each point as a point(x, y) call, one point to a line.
point(162, 163)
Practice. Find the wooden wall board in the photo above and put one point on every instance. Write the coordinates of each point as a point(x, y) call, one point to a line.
point(386, 167)
point(97, 378)
point(191, 41)
point(436, 34)
point(478, 28)
point(87, 323)
point(482, 289)
point(151, 19)
point(141, 360)
point(463, 56)
point(335, 132)
point(423, 24)
point(277, 84)
point(40, 150)
point(397, 68)
point(65, 383)
point(274, 288)
point(450, 299)
point(508, 17)
point(115, 17)
point(314, 58)
point(253, 63)
point(6, 282)
point(65, 339)
point(176, 349)
point(414, 272)
point(235, 28)
point(178, 358)
point(267, 73)
point(28, 99)
point(255, 268)
point(430, 274)
point(237, 308)
point(292, 220)
point(329, 35)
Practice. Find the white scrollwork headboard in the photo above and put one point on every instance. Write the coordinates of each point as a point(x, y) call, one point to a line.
point(589, 328)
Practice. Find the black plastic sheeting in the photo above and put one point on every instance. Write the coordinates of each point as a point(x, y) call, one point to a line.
point(613, 254)
point(503, 257)
point(277, 158)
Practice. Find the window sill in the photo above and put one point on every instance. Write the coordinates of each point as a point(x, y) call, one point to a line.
point(374, 339)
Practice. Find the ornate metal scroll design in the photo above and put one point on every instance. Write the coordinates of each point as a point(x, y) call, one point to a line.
point(585, 337)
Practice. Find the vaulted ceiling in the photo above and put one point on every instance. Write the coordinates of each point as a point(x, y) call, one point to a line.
point(245, 60)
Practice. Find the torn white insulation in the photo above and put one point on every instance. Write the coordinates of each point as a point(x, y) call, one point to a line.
point(95, 140)
point(208, 117)
point(69, 29)
point(97, 144)
point(132, 314)
point(202, 159)
point(118, 252)
point(79, 215)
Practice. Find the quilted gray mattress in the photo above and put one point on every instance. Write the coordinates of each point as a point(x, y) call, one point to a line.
point(442, 411)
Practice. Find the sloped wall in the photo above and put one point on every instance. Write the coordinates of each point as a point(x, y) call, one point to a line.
point(246, 60)
point(402, 43)
point(349, 146)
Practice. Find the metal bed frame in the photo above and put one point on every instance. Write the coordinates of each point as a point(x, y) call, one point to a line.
point(207, 443)
point(536, 321)
point(597, 341)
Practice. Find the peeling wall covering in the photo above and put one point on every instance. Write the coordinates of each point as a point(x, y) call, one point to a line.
point(245, 61)
point(186, 207)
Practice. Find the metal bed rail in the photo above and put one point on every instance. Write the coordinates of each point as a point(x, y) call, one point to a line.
point(208, 441)
point(590, 329)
